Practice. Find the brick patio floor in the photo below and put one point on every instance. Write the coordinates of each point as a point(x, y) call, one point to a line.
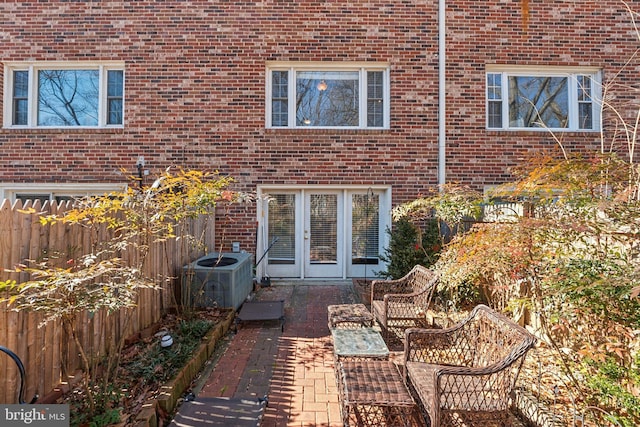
point(294, 368)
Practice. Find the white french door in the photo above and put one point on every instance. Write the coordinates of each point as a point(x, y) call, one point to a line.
point(322, 233)
point(323, 229)
point(281, 239)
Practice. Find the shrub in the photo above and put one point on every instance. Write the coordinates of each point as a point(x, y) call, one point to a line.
point(409, 245)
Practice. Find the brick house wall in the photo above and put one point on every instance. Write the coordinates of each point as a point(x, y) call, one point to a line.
point(550, 33)
point(195, 87)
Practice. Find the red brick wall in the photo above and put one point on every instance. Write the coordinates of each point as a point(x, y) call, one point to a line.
point(556, 33)
point(195, 86)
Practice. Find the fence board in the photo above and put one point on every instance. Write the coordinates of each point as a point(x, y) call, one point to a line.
point(5, 248)
point(49, 355)
point(47, 352)
point(13, 321)
point(36, 349)
point(22, 227)
point(4, 360)
point(54, 340)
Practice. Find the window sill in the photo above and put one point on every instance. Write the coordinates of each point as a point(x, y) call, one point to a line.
point(539, 130)
point(69, 130)
point(325, 131)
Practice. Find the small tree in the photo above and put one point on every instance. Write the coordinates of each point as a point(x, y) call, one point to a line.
point(103, 279)
point(422, 227)
point(407, 248)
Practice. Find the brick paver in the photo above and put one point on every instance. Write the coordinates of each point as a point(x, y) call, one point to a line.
point(293, 369)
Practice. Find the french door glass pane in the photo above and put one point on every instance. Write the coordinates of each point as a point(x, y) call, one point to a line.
point(282, 225)
point(323, 228)
point(364, 223)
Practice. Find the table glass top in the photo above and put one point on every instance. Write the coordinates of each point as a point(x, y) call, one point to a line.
point(362, 342)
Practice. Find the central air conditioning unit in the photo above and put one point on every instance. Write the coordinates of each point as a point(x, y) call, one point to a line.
point(222, 279)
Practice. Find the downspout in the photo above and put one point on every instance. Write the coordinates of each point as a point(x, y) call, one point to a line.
point(442, 126)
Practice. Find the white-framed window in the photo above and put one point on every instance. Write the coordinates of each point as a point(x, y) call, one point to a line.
point(544, 98)
point(55, 192)
point(319, 95)
point(64, 95)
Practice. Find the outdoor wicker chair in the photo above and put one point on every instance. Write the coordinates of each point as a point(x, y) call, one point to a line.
point(466, 374)
point(403, 303)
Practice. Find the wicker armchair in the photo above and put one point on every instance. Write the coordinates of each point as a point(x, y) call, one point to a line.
point(403, 303)
point(465, 375)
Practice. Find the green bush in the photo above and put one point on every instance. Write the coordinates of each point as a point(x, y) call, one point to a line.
point(410, 245)
point(610, 386)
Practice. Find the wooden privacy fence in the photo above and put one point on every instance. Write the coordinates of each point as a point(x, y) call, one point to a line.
point(46, 350)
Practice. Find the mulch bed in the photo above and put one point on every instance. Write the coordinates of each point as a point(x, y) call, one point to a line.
point(145, 366)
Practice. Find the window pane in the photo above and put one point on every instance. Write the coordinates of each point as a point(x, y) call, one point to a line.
point(494, 86)
point(375, 99)
point(280, 84)
point(494, 114)
point(323, 228)
point(68, 97)
point(585, 103)
point(364, 223)
point(20, 108)
point(279, 95)
point(494, 97)
point(114, 107)
point(327, 98)
point(114, 97)
point(585, 116)
point(279, 113)
point(114, 83)
point(538, 101)
point(584, 88)
point(20, 97)
point(282, 225)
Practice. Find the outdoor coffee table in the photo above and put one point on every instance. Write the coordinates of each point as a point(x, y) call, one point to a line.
point(373, 393)
point(349, 316)
point(359, 343)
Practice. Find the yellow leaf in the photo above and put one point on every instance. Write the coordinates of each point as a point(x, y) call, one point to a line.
point(10, 284)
